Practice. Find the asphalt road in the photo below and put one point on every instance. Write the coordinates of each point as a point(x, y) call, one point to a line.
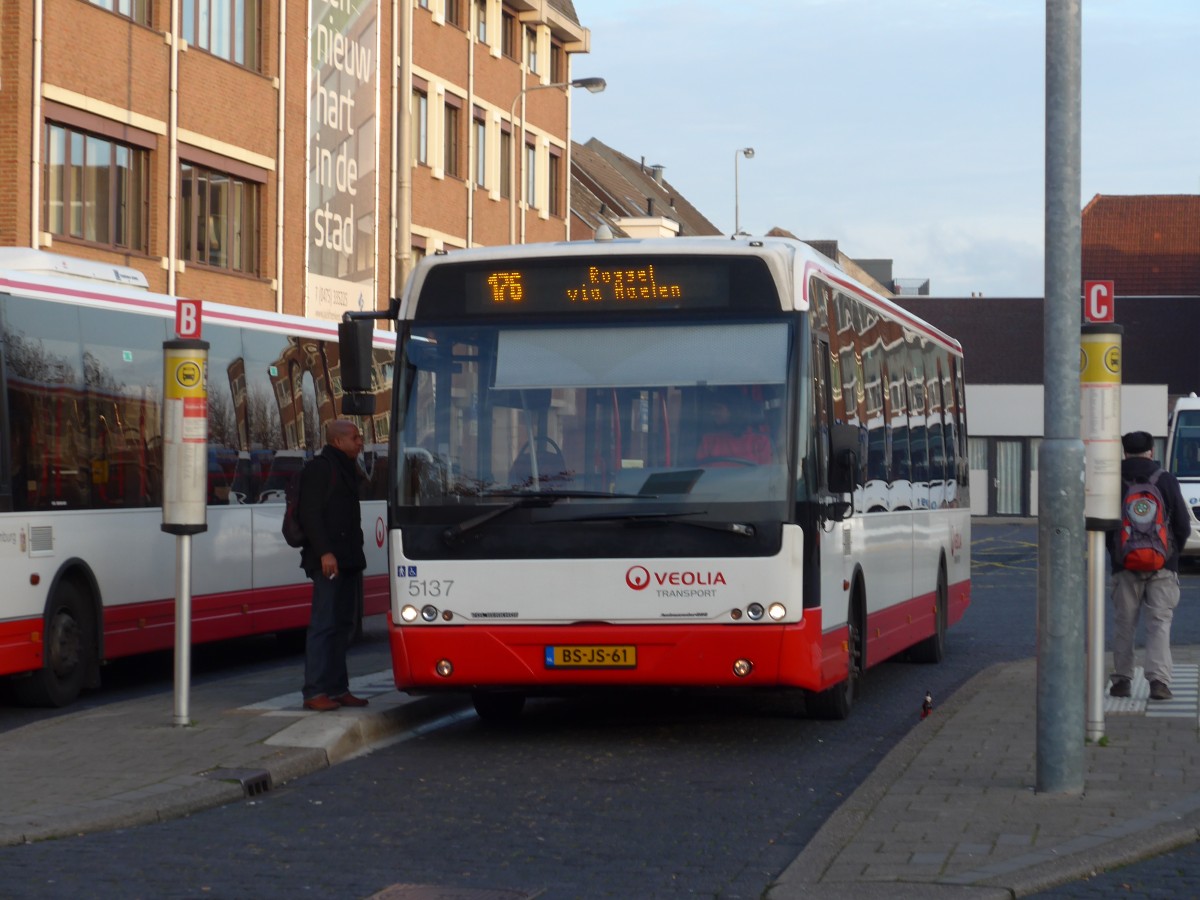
point(653, 794)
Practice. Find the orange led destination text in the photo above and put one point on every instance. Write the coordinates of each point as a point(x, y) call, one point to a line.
point(622, 285)
point(506, 287)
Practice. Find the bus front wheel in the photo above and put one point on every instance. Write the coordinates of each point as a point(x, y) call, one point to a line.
point(69, 649)
point(836, 702)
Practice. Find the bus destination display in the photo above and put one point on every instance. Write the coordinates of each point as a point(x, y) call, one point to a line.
point(586, 286)
point(573, 285)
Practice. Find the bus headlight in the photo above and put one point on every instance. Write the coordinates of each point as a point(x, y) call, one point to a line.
point(776, 611)
point(742, 668)
point(445, 668)
point(755, 611)
point(429, 613)
point(409, 613)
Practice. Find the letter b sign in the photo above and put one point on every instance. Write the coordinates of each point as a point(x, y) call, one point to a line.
point(1098, 302)
point(187, 319)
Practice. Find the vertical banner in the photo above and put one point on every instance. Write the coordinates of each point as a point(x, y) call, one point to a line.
point(343, 92)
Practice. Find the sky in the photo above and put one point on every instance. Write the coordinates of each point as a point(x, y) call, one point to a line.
point(911, 130)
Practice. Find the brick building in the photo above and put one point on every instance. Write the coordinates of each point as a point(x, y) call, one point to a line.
point(1149, 247)
point(252, 152)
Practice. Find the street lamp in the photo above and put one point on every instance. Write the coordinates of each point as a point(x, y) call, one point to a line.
point(747, 152)
point(593, 85)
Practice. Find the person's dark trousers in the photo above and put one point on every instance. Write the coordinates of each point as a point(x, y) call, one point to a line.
point(334, 605)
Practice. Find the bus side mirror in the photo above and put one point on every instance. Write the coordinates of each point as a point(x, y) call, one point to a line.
point(843, 459)
point(354, 351)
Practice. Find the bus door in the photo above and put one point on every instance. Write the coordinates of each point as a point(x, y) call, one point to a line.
point(834, 556)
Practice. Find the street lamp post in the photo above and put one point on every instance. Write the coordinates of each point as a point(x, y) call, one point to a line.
point(747, 152)
point(593, 85)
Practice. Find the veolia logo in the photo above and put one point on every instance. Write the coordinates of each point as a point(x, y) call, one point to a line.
point(637, 578)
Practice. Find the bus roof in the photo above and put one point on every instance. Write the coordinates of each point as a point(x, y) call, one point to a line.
point(52, 276)
point(790, 261)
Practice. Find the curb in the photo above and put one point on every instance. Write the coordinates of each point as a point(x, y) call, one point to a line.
point(302, 748)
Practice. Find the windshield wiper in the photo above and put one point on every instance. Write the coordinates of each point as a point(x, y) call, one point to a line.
point(563, 494)
point(668, 518)
point(522, 500)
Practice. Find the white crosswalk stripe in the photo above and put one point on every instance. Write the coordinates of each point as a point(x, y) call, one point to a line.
point(1185, 685)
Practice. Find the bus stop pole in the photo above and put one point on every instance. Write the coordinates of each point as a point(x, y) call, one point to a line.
point(1100, 396)
point(183, 628)
point(185, 485)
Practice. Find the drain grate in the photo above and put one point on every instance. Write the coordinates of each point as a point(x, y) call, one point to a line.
point(253, 781)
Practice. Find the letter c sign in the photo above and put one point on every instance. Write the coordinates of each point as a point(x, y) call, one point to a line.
point(1098, 301)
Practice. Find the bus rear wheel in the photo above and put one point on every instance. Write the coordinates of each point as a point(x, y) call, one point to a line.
point(932, 649)
point(498, 707)
point(69, 649)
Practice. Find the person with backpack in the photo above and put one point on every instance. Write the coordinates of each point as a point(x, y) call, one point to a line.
point(333, 557)
point(1145, 565)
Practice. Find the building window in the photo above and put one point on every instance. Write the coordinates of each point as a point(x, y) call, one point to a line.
point(531, 56)
point(138, 10)
point(450, 162)
point(454, 13)
point(96, 189)
point(558, 63)
point(508, 34)
point(225, 28)
point(218, 219)
point(555, 169)
point(420, 127)
point(506, 163)
point(481, 10)
point(481, 179)
point(530, 176)
point(424, 4)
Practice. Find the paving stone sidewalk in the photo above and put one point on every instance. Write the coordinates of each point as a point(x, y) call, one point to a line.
point(57, 784)
point(952, 810)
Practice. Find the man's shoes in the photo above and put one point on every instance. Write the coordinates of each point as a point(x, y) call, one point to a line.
point(1120, 687)
point(1160, 691)
point(322, 703)
point(348, 699)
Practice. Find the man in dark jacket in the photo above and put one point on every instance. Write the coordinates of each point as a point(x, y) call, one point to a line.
point(333, 558)
point(1156, 592)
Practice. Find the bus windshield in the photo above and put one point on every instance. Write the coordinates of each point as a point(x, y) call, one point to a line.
point(688, 413)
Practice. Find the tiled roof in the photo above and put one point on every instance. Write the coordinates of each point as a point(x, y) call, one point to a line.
point(567, 8)
point(620, 188)
point(1148, 245)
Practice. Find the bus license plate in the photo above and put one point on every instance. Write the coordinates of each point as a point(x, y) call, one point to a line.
point(592, 656)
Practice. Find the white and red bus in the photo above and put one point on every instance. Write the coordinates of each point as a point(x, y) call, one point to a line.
point(562, 516)
point(1183, 461)
point(88, 573)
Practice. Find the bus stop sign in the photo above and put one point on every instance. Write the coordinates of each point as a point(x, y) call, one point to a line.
point(1099, 303)
point(187, 319)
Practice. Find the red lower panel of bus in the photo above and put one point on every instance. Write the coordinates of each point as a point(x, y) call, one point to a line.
point(144, 627)
point(519, 656)
point(515, 655)
point(20, 646)
point(891, 630)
